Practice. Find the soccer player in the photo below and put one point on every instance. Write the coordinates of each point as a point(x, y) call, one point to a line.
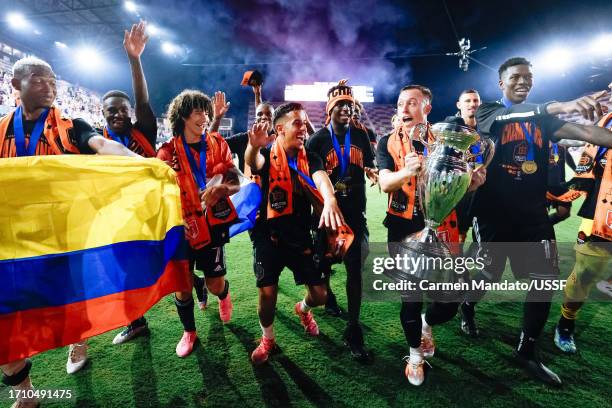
point(399, 162)
point(511, 205)
point(290, 179)
point(138, 137)
point(199, 157)
point(36, 128)
point(594, 243)
point(468, 103)
point(347, 156)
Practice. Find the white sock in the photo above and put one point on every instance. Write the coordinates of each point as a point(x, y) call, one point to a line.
point(416, 355)
point(268, 332)
point(304, 308)
point(426, 328)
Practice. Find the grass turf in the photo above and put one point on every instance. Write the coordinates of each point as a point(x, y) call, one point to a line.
point(318, 371)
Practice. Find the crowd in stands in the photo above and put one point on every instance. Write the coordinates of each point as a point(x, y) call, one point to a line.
point(73, 100)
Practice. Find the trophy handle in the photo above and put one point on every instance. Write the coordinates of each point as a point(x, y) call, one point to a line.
point(484, 145)
point(422, 132)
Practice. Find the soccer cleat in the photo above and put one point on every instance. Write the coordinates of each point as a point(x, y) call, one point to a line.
point(428, 344)
point(415, 371)
point(565, 342)
point(307, 320)
point(262, 352)
point(537, 370)
point(225, 308)
point(185, 346)
point(23, 401)
point(353, 339)
point(77, 357)
point(331, 306)
point(605, 287)
point(468, 322)
point(135, 329)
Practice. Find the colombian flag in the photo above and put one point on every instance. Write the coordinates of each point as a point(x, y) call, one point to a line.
point(87, 244)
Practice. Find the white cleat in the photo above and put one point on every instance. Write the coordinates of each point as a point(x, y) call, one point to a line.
point(77, 357)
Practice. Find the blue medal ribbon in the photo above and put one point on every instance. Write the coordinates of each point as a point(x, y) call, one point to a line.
point(345, 158)
point(555, 152)
point(39, 126)
point(528, 135)
point(124, 140)
point(198, 173)
point(293, 164)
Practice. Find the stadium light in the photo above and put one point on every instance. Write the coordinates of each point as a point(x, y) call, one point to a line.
point(17, 20)
point(556, 59)
point(88, 58)
point(169, 48)
point(60, 44)
point(130, 6)
point(600, 46)
point(152, 29)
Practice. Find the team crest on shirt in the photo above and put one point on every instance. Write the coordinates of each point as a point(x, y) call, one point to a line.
point(520, 152)
point(278, 199)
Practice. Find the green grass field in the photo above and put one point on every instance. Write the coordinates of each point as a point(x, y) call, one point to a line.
point(318, 371)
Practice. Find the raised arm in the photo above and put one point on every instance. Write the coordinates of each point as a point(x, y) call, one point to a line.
point(134, 42)
point(220, 108)
point(258, 138)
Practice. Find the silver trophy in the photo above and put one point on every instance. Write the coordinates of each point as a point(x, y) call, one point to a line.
point(443, 181)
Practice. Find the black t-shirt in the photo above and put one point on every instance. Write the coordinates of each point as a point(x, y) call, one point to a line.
point(352, 205)
point(399, 227)
point(79, 136)
point(238, 144)
point(510, 196)
point(293, 229)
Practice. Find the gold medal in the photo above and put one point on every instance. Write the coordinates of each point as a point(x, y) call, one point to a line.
point(529, 167)
point(340, 187)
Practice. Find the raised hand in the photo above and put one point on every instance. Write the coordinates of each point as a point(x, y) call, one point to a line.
point(587, 106)
point(412, 164)
point(258, 135)
point(479, 176)
point(220, 108)
point(134, 41)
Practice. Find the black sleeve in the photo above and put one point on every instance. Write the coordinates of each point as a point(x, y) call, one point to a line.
point(83, 131)
point(313, 143)
point(238, 143)
point(314, 162)
point(383, 158)
point(147, 124)
point(491, 115)
point(368, 152)
point(550, 125)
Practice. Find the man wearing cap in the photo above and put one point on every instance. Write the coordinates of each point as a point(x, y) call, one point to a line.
point(348, 157)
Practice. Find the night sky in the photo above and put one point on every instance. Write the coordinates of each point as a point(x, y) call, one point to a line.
point(363, 40)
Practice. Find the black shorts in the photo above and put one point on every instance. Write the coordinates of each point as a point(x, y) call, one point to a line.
point(270, 258)
point(210, 260)
point(534, 255)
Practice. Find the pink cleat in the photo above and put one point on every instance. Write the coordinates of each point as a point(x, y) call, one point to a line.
point(225, 308)
point(185, 346)
point(307, 320)
point(428, 345)
point(262, 352)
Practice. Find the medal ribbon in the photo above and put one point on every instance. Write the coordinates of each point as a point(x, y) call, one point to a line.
point(198, 173)
point(20, 147)
point(293, 164)
point(124, 140)
point(528, 135)
point(346, 158)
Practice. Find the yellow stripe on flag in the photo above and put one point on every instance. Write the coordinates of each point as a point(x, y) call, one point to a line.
point(56, 204)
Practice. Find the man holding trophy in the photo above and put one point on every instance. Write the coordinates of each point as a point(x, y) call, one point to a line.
point(399, 157)
point(511, 205)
